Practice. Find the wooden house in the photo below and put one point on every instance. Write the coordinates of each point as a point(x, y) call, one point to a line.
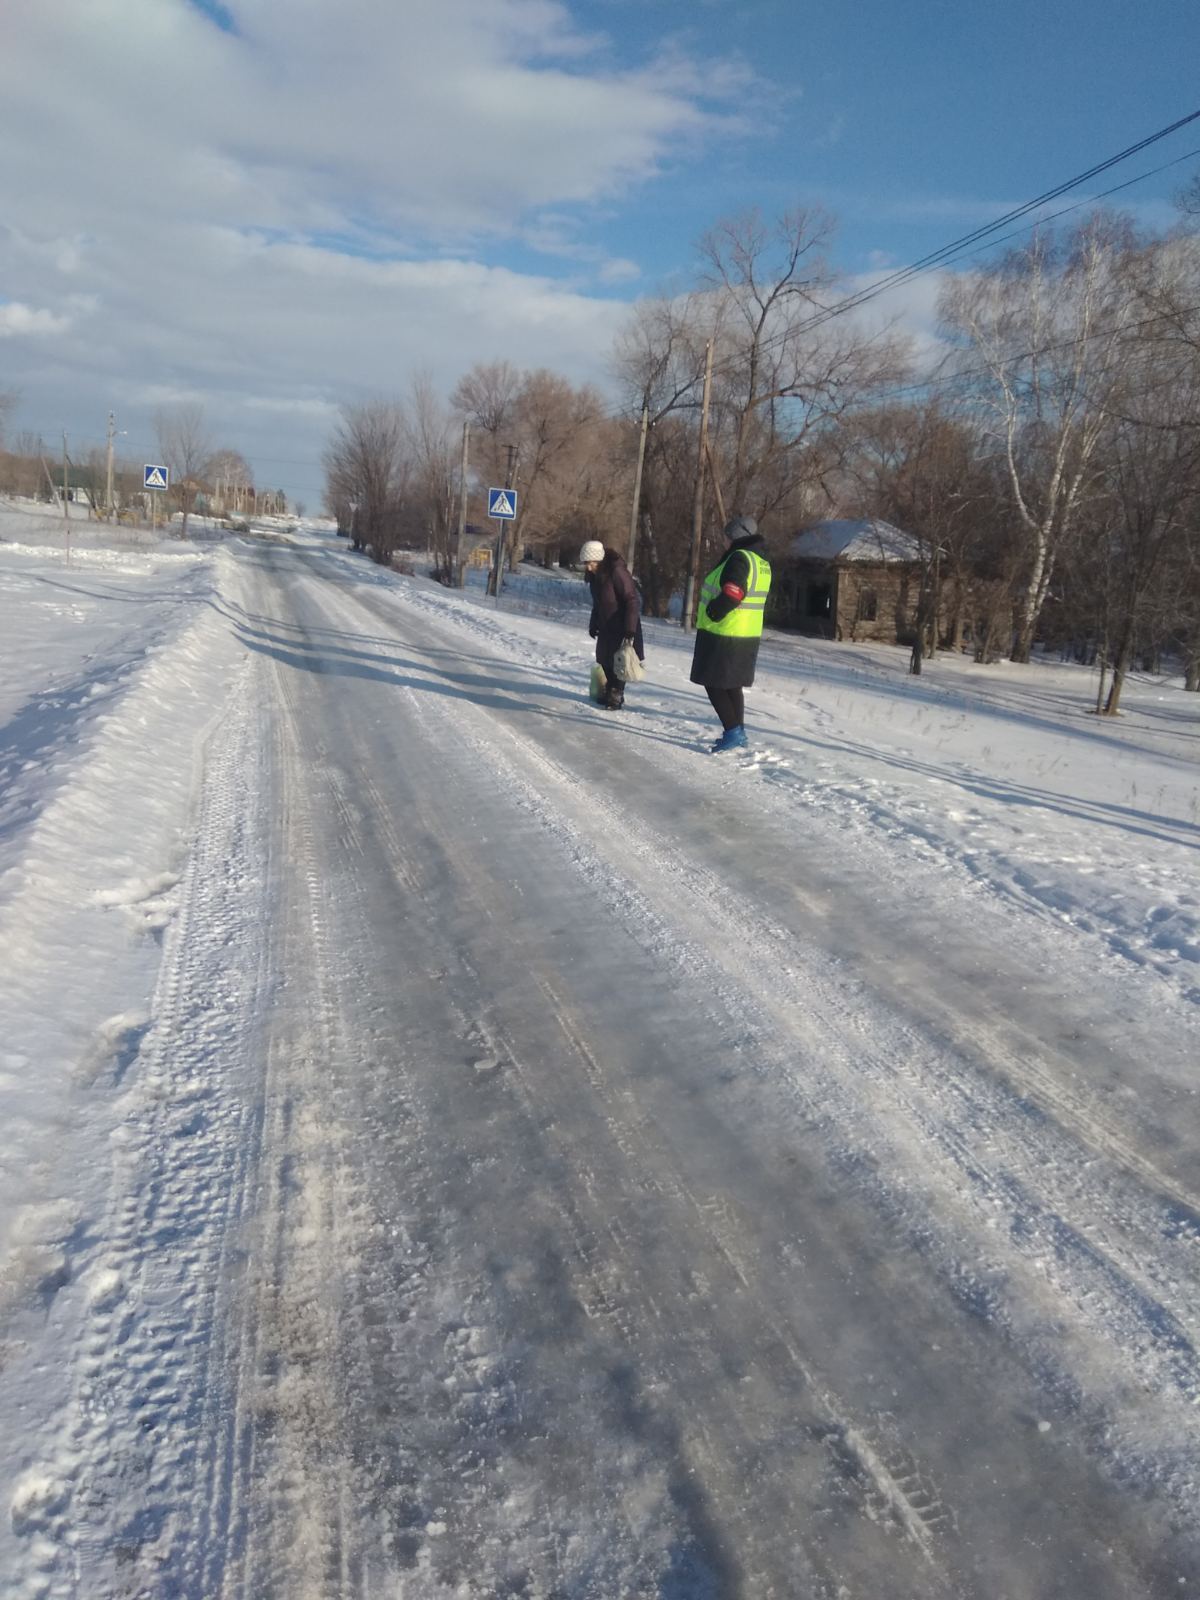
point(849, 580)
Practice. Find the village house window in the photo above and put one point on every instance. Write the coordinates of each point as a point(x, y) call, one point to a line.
point(868, 606)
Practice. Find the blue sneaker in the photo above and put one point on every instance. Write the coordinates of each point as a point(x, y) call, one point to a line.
point(731, 739)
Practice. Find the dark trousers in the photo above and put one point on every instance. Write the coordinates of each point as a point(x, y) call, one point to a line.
point(730, 706)
point(616, 686)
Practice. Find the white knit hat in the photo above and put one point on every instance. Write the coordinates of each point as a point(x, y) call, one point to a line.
point(593, 550)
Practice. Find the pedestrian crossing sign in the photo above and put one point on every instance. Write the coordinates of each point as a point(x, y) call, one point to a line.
point(502, 503)
point(156, 477)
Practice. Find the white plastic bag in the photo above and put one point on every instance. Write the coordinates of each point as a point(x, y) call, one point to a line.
point(627, 666)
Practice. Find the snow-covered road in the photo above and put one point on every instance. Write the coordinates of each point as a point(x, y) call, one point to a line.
point(557, 1163)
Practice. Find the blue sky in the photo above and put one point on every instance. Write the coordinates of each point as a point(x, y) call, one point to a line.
point(276, 206)
point(911, 122)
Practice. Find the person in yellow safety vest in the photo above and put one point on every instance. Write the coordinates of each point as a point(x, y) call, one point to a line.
point(729, 625)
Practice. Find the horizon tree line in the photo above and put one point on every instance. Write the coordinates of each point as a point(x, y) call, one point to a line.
point(1048, 466)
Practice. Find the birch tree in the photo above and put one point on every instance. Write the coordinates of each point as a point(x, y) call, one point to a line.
point(1043, 337)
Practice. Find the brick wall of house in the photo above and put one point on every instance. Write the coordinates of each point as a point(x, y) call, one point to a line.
point(877, 601)
point(833, 600)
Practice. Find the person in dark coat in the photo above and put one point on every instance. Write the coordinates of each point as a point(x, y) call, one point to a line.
point(616, 614)
point(728, 628)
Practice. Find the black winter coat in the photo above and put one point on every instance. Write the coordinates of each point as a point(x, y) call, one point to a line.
point(616, 610)
point(720, 662)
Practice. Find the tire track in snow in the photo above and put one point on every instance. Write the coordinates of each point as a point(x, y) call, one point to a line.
point(605, 1272)
point(1094, 1235)
point(882, 1163)
point(1105, 1237)
point(140, 1439)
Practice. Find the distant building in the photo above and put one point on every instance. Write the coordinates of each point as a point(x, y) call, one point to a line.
point(477, 548)
point(850, 580)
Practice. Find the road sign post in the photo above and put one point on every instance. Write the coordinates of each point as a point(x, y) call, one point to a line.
point(502, 508)
point(157, 479)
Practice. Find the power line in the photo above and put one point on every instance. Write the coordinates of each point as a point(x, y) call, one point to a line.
point(967, 244)
point(970, 243)
point(1091, 200)
point(959, 246)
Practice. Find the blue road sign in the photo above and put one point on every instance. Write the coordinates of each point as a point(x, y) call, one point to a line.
point(502, 504)
point(156, 477)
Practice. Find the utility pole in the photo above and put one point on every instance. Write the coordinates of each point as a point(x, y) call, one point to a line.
point(66, 502)
point(514, 457)
point(108, 490)
point(637, 484)
point(716, 484)
point(689, 599)
point(461, 574)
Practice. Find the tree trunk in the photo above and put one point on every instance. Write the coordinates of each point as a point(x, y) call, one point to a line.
point(1033, 599)
point(1112, 706)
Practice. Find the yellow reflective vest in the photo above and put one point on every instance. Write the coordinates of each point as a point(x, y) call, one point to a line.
point(745, 621)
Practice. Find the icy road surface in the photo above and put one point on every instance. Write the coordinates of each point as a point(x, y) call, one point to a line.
point(556, 1164)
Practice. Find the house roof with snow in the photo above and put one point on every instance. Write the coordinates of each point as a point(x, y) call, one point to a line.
point(868, 539)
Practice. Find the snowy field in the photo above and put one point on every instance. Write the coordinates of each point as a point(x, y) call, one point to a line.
point(460, 1142)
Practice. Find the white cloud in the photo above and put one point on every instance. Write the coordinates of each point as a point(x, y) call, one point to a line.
point(310, 207)
point(909, 308)
point(16, 318)
point(618, 269)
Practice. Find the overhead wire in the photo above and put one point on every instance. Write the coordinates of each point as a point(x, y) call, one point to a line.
point(971, 243)
point(967, 241)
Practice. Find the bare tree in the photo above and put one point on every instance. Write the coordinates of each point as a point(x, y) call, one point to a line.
point(232, 480)
point(562, 434)
point(1153, 484)
point(487, 397)
point(367, 473)
point(21, 471)
point(1166, 278)
point(186, 450)
point(433, 445)
point(658, 356)
point(658, 361)
point(1188, 198)
point(787, 371)
point(919, 466)
point(556, 441)
point(1043, 336)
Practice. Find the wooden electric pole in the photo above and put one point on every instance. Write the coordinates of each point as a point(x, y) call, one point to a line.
point(689, 599)
point(514, 459)
point(66, 502)
point(637, 484)
point(716, 486)
point(461, 574)
point(108, 486)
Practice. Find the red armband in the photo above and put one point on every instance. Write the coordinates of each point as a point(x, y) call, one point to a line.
point(732, 590)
